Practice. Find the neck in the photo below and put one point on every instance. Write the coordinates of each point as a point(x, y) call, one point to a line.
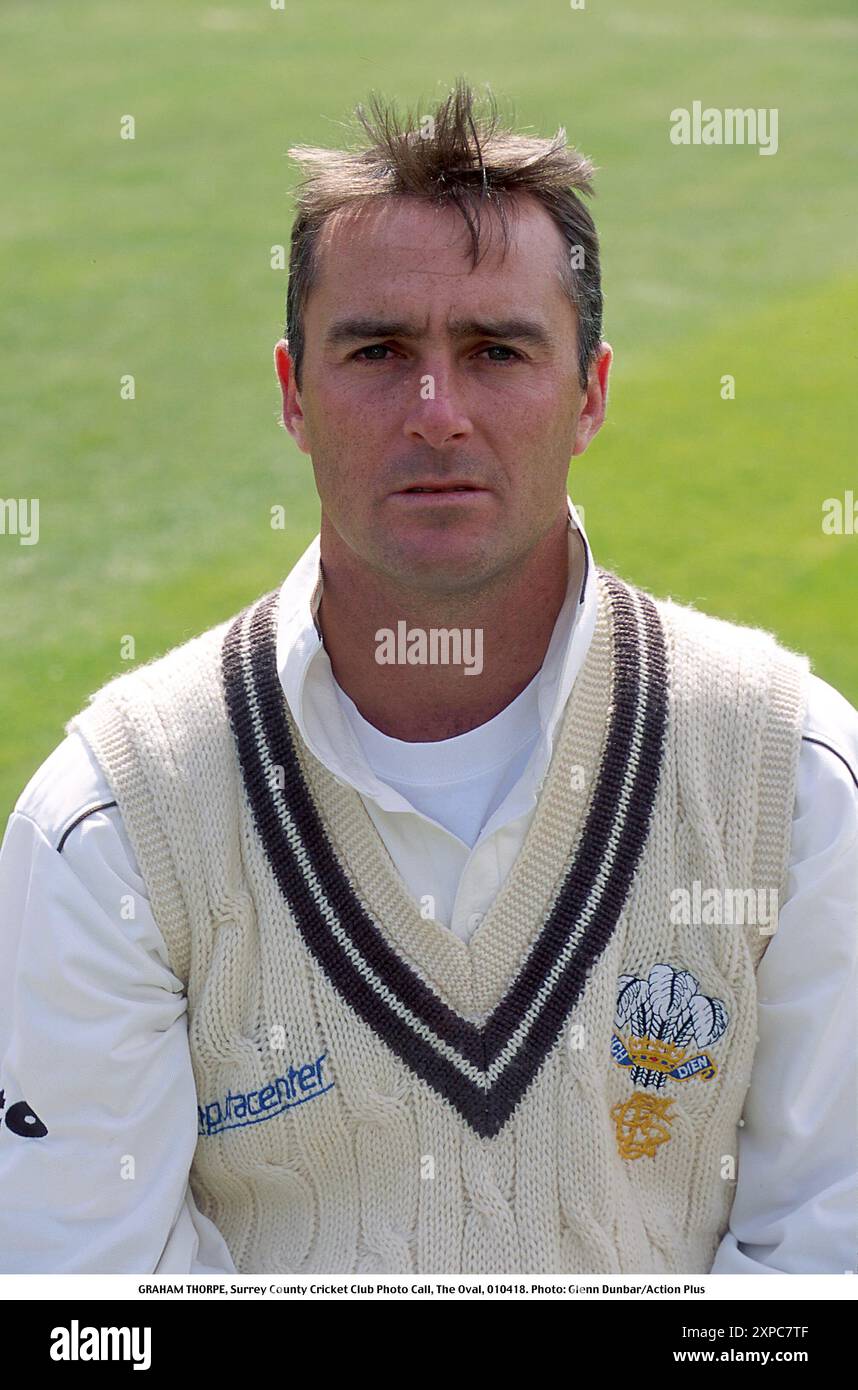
point(504, 630)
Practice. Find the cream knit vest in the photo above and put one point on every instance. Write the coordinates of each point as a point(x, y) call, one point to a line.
point(559, 1095)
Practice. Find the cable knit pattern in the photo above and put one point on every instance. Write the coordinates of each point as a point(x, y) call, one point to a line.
point(560, 1094)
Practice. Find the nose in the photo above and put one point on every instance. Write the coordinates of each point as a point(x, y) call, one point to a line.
point(437, 416)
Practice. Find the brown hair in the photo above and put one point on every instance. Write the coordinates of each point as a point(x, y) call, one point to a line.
point(454, 159)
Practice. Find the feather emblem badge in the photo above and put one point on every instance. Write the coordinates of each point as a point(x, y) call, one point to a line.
point(660, 1020)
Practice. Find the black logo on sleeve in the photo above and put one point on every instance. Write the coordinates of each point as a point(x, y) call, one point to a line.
point(22, 1119)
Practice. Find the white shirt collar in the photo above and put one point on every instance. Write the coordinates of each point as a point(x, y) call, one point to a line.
point(311, 693)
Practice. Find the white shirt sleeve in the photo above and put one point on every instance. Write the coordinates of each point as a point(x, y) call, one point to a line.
point(98, 1106)
point(795, 1209)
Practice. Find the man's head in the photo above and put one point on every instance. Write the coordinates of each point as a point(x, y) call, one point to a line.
point(411, 362)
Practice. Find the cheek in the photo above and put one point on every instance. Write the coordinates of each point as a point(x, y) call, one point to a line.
point(349, 417)
point(543, 406)
point(541, 420)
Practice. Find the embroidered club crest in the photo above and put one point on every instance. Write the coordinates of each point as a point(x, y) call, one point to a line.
point(659, 1021)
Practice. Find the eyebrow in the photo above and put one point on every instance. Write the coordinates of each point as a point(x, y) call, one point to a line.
point(516, 329)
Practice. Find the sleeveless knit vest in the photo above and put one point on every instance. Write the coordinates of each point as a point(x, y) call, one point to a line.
point(561, 1094)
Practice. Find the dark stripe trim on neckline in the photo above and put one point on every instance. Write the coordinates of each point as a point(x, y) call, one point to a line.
point(483, 1071)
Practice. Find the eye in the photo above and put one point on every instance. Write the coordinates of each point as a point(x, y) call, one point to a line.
point(371, 347)
point(500, 347)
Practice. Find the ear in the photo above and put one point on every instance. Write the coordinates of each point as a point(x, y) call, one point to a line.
point(293, 415)
point(595, 402)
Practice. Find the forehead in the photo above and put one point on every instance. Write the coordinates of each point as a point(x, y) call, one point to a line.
point(404, 243)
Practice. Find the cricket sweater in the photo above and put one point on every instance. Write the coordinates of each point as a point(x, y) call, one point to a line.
point(560, 1094)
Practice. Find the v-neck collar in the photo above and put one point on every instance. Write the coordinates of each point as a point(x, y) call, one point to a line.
point(307, 677)
point(474, 1020)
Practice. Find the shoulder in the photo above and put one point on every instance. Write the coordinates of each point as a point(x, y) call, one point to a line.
point(830, 733)
point(737, 702)
point(692, 624)
point(67, 788)
point(719, 658)
point(67, 821)
point(825, 823)
point(70, 786)
point(175, 698)
point(196, 657)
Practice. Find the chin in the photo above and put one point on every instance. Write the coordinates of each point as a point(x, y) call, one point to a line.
point(440, 564)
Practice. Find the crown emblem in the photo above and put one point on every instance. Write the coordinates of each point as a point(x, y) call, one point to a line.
point(653, 1054)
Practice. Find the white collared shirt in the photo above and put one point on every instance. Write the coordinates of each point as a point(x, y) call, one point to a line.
point(92, 1019)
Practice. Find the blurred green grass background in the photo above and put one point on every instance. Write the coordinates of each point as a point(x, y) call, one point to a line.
point(152, 257)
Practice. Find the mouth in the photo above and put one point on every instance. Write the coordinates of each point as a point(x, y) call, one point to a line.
point(439, 488)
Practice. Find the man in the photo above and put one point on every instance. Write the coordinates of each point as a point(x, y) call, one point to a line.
point(421, 917)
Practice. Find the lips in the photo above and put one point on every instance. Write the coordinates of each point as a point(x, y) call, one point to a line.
point(443, 487)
